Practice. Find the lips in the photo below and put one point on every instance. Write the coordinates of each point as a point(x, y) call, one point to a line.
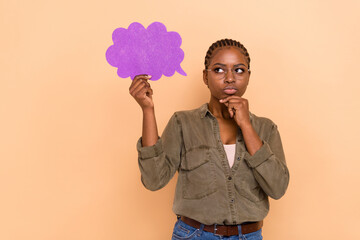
point(230, 90)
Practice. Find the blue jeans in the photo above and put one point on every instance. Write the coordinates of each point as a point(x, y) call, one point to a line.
point(183, 231)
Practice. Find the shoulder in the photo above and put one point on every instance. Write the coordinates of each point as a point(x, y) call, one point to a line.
point(193, 114)
point(262, 123)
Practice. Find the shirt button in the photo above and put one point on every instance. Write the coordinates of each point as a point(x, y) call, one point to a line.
point(232, 200)
point(238, 158)
point(229, 178)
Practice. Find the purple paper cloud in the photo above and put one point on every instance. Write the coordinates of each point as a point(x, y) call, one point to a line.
point(153, 51)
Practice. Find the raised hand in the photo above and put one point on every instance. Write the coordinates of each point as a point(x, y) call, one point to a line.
point(141, 90)
point(238, 108)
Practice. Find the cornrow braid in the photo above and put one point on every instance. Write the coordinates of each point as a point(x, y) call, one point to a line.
point(226, 43)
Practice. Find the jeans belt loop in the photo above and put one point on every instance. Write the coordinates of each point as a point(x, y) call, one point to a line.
point(201, 229)
point(240, 231)
point(215, 229)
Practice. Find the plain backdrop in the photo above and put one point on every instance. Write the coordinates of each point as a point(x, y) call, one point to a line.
point(68, 126)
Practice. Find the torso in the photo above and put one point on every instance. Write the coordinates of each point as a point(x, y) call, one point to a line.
point(228, 130)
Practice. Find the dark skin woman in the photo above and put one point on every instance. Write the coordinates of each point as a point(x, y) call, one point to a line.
point(216, 195)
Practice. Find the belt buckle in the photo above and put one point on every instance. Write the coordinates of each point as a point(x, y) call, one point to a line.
point(215, 229)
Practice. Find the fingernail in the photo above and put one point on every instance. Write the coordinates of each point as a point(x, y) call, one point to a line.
point(149, 76)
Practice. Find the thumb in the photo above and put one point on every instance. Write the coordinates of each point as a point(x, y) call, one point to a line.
point(232, 112)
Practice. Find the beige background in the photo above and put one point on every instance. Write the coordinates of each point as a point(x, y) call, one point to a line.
point(68, 126)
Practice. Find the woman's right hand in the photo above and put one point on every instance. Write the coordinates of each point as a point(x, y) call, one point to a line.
point(141, 90)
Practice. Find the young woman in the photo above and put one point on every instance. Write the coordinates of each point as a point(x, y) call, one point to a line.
point(229, 160)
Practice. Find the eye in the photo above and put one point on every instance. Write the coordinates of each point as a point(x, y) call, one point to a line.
point(239, 70)
point(219, 70)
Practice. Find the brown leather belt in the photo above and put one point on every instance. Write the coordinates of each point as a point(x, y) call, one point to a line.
point(224, 230)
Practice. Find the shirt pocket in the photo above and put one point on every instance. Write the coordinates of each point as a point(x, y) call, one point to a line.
point(247, 186)
point(197, 174)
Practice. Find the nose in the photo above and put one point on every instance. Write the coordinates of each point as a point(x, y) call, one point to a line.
point(229, 77)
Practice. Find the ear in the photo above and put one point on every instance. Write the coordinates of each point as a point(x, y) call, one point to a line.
point(205, 77)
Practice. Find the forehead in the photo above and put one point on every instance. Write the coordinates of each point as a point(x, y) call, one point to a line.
point(228, 55)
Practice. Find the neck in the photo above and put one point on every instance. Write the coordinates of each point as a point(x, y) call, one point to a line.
point(219, 110)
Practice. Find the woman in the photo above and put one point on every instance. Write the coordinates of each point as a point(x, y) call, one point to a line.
point(229, 160)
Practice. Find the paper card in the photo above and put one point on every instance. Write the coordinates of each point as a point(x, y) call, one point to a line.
point(153, 51)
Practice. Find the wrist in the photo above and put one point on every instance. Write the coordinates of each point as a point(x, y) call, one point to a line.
point(245, 125)
point(148, 110)
point(244, 121)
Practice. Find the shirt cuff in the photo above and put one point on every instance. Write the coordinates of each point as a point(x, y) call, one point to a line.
point(260, 156)
point(150, 151)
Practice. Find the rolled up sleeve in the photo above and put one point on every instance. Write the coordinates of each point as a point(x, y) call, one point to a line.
point(157, 166)
point(269, 166)
point(150, 151)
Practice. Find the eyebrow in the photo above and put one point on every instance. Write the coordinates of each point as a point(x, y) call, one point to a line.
point(223, 65)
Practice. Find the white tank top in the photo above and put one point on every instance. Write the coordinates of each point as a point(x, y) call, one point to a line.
point(230, 153)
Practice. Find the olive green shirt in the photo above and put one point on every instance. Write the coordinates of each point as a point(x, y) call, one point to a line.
point(208, 190)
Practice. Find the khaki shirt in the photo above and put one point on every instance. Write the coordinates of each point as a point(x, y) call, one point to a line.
point(208, 190)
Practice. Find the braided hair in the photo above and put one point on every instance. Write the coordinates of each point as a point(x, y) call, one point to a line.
point(226, 43)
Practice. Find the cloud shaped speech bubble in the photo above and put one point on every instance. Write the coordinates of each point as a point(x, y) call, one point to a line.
point(153, 51)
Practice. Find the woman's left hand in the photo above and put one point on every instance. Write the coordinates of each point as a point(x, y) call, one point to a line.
point(238, 108)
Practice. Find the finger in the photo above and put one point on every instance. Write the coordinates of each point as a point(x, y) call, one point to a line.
point(142, 93)
point(135, 83)
point(226, 104)
point(231, 103)
point(232, 107)
point(239, 104)
point(139, 87)
point(139, 83)
point(142, 76)
point(135, 88)
point(150, 92)
point(230, 98)
point(147, 84)
point(138, 78)
point(231, 112)
point(144, 88)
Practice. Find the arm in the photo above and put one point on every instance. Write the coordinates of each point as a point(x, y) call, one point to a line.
point(140, 90)
point(158, 163)
point(157, 166)
point(269, 166)
point(238, 108)
point(265, 158)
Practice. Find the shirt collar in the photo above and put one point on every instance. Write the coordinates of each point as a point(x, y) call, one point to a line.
point(204, 110)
